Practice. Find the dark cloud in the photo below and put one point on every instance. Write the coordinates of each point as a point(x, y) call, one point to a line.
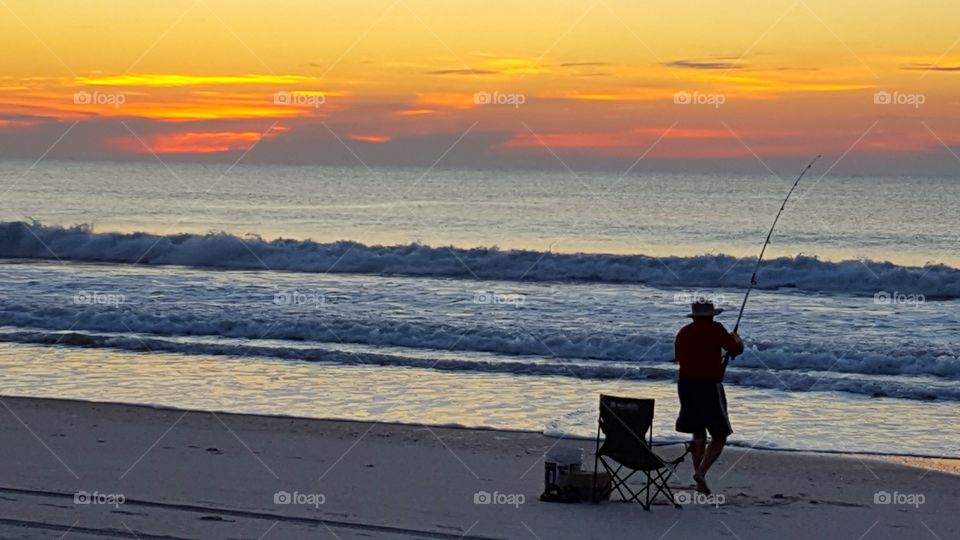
point(308, 141)
point(463, 72)
point(84, 140)
point(704, 64)
point(931, 67)
point(313, 144)
point(17, 117)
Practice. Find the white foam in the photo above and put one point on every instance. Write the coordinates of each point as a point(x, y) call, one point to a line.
point(37, 241)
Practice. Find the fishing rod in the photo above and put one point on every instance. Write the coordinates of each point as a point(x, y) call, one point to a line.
point(756, 268)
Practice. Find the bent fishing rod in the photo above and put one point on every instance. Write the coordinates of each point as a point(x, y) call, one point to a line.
point(756, 268)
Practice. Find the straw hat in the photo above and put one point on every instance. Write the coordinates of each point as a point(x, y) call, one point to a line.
point(703, 309)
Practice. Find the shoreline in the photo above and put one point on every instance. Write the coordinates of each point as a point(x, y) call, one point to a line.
point(201, 474)
point(949, 464)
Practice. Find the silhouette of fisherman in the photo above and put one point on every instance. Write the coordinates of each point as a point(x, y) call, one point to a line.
point(703, 404)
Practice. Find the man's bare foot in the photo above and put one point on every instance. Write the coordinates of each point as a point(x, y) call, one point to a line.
point(702, 486)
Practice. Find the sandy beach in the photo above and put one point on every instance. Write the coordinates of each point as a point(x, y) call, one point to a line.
point(90, 470)
point(367, 270)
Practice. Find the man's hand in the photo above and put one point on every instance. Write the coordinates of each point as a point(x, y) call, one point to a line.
point(739, 341)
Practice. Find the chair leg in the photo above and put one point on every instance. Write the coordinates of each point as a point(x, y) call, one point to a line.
point(635, 496)
point(669, 493)
point(594, 496)
point(661, 482)
point(647, 507)
point(616, 482)
point(645, 493)
point(620, 483)
point(609, 485)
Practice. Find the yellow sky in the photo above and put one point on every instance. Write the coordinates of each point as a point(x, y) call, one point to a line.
point(599, 78)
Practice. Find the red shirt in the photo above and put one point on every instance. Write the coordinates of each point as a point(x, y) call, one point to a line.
point(698, 349)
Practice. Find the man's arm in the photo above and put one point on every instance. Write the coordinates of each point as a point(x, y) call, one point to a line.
point(730, 341)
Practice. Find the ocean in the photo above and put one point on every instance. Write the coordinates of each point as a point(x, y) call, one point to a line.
point(497, 298)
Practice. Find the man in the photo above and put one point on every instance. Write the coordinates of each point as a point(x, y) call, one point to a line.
point(703, 403)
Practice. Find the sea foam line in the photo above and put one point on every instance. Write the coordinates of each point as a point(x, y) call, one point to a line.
point(219, 250)
point(769, 379)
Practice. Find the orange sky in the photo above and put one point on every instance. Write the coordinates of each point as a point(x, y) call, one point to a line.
point(558, 80)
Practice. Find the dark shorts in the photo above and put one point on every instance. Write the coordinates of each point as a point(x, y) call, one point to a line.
point(703, 406)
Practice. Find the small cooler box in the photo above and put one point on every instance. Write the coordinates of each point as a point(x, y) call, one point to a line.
point(560, 466)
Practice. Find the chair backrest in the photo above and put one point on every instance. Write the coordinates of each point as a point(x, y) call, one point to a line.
point(626, 422)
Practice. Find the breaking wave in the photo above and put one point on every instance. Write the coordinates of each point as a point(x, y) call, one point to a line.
point(23, 240)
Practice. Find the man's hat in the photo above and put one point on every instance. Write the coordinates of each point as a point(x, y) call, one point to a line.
point(703, 308)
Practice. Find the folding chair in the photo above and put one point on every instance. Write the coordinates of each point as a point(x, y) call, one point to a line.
point(624, 423)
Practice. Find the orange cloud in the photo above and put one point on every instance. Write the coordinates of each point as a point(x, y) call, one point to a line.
point(779, 84)
point(378, 139)
point(172, 106)
point(445, 100)
point(515, 66)
point(645, 94)
point(195, 142)
point(15, 123)
point(414, 112)
point(173, 79)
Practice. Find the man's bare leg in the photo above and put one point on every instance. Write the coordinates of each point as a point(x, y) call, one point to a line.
point(713, 451)
point(698, 447)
